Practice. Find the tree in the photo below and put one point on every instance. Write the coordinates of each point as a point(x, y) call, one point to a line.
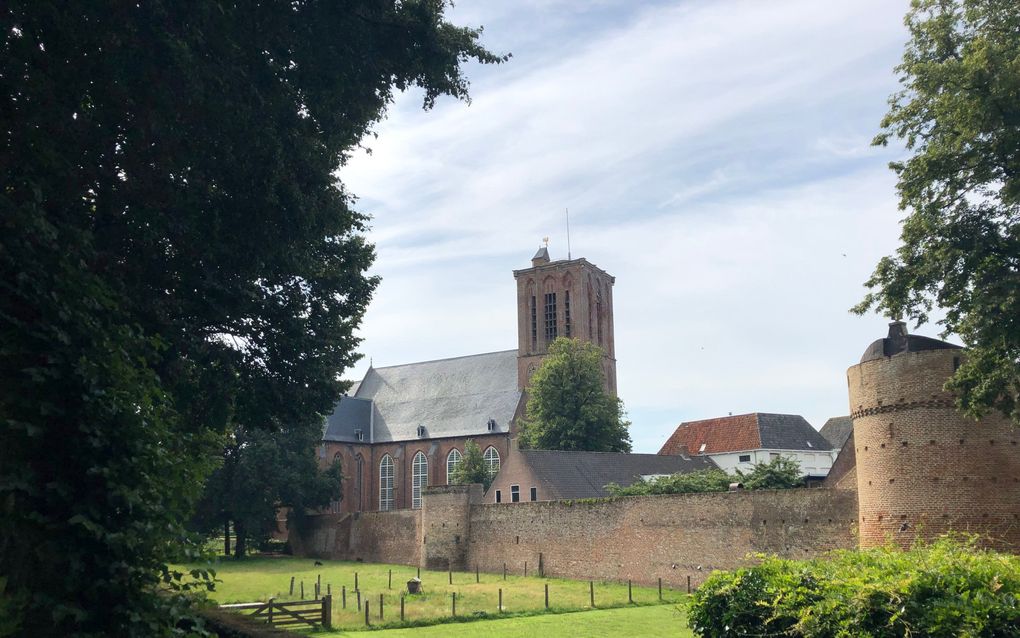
point(177, 261)
point(779, 473)
point(959, 114)
point(568, 406)
point(472, 467)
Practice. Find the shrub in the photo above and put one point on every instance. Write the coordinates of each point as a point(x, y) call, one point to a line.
point(945, 589)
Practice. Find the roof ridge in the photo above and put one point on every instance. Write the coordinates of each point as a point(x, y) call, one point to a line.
point(463, 356)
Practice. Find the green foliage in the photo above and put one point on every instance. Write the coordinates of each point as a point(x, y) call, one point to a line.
point(948, 589)
point(472, 467)
point(568, 407)
point(177, 262)
point(778, 474)
point(959, 113)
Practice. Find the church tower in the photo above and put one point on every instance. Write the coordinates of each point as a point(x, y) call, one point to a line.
point(565, 298)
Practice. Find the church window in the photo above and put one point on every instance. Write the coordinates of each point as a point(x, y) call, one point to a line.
point(534, 324)
point(550, 317)
point(515, 493)
point(386, 483)
point(452, 463)
point(419, 478)
point(534, 493)
point(491, 458)
point(566, 314)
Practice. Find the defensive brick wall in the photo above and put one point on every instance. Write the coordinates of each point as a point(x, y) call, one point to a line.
point(650, 537)
point(372, 537)
point(922, 468)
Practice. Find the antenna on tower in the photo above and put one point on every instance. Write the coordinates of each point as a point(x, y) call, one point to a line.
point(567, 211)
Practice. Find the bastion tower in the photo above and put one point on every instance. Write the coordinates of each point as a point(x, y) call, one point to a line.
point(564, 298)
point(922, 468)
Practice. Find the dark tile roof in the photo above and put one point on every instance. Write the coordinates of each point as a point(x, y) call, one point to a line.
point(837, 430)
point(351, 414)
point(585, 474)
point(450, 397)
point(741, 432)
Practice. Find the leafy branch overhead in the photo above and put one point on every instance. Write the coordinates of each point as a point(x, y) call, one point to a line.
point(958, 113)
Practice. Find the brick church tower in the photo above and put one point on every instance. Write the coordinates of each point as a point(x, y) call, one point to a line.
point(564, 298)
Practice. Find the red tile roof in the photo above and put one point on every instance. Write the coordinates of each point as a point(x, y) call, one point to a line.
point(723, 434)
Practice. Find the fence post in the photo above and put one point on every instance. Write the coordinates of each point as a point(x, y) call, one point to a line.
point(358, 592)
point(315, 591)
point(291, 585)
point(419, 572)
point(380, 606)
point(591, 592)
point(271, 610)
point(541, 566)
point(453, 597)
point(476, 573)
point(356, 588)
point(329, 589)
point(389, 583)
point(302, 590)
point(367, 622)
point(343, 596)
point(688, 584)
point(504, 571)
point(451, 576)
point(327, 612)
point(525, 569)
point(318, 582)
point(401, 608)
point(630, 593)
point(660, 590)
point(501, 600)
point(547, 595)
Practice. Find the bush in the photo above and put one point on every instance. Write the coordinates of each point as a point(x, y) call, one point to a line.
point(948, 588)
point(779, 473)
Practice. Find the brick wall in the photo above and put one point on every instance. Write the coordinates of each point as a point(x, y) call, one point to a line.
point(446, 525)
point(922, 468)
point(373, 537)
point(646, 538)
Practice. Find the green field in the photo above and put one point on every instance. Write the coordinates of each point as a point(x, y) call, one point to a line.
point(258, 579)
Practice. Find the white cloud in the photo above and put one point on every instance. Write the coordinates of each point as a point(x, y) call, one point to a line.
point(714, 157)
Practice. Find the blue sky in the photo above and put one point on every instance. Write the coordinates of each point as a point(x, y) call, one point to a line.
point(715, 157)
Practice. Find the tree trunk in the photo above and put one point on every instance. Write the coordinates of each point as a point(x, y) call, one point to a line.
point(226, 537)
point(239, 540)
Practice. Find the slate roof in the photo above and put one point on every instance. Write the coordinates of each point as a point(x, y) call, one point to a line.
point(450, 397)
point(900, 341)
point(585, 474)
point(837, 430)
point(755, 431)
point(350, 415)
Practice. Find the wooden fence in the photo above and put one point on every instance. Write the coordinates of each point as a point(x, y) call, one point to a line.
point(293, 612)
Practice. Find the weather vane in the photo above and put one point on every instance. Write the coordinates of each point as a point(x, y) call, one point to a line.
point(545, 240)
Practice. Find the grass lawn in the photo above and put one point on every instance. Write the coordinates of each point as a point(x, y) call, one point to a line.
point(258, 579)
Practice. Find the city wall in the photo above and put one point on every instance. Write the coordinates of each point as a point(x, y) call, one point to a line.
point(633, 538)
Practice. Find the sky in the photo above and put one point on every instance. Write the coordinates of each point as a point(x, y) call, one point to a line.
point(715, 158)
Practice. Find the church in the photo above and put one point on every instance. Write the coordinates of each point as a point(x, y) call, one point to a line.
point(403, 427)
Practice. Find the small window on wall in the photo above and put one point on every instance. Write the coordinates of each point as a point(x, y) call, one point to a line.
point(745, 458)
point(515, 493)
point(534, 493)
point(499, 496)
point(773, 455)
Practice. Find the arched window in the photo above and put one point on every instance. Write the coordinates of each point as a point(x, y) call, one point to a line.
point(491, 458)
point(334, 505)
point(386, 483)
point(419, 478)
point(452, 462)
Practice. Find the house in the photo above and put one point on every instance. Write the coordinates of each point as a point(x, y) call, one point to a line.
point(548, 475)
point(741, 441)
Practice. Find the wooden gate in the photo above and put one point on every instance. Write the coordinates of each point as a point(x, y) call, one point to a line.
point(292, 612)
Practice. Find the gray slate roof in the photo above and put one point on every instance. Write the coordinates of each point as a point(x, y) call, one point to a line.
point(837, 430)
point(789, 432)
point(349, 416)
point(450, 397)
point(585, 474)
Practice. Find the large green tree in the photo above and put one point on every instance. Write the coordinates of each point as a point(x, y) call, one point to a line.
point(568, 405)
point(177, 260)
point(959, 115)
point(472, 467)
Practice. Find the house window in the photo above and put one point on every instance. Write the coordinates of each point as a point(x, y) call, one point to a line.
point(534, 493)
point(421, 431)
point(550, 317)
point(491, 458)
point(515, 493)
point(419, 478)
point(359, 434)
point(499, 496)
point(745, 458)
point(452, 462)
point(386, 483)
point(534, 324)
point(491, 425)
point(566, 314)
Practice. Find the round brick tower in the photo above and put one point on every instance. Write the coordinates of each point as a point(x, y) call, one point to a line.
point(922, 468)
